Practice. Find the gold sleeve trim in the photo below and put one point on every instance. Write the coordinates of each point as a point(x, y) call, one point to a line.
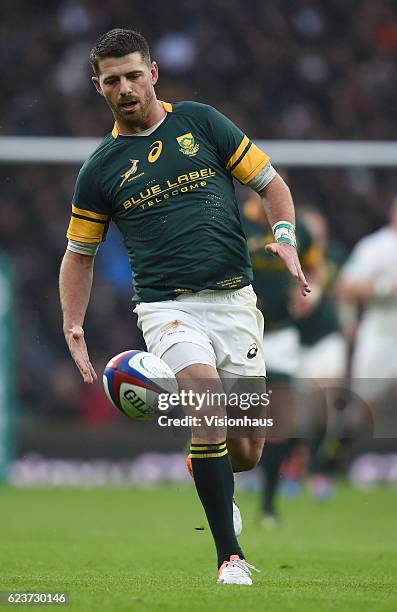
point(237, 152)
point(85, 231)
point(249, 166)
point(89, 213)
point(313, 257)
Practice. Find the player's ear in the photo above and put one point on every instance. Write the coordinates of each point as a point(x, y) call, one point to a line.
point(154, 70)
point(97, 85)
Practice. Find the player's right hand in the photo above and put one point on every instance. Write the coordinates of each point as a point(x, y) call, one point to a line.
point(78, 349)
point(290, 257)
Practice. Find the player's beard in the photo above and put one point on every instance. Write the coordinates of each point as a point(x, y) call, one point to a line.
point(139, 117)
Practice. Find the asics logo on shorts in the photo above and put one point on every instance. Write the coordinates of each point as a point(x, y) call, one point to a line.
point(252, 351)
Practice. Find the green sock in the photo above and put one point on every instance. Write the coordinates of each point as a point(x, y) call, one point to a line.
point(213, 476)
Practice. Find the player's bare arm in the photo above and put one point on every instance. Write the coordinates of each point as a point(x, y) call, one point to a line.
point(363, 290)
point(279, 206)
point(75, 282)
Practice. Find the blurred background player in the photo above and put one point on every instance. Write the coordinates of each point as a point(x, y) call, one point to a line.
point(322, 347)
point(281, 341)
point(368, 284)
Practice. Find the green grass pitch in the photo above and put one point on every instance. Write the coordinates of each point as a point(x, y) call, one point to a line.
point(116, 549)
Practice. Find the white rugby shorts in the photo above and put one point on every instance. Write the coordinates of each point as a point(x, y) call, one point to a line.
point(374, 359)
point(282, 351)
point(220, 328)
point(325, 359)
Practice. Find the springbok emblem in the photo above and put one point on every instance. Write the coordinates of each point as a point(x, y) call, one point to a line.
point(130, 171)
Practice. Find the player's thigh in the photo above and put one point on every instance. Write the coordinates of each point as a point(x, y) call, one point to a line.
point(203, 399)
point(181, 355)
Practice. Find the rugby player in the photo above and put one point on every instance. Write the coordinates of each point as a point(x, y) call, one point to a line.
point(164, 175)
point(323, 348)
point(368, 281)
point(281, 343)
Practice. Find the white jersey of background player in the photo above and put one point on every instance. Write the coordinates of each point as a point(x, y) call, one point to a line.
point(369, 279)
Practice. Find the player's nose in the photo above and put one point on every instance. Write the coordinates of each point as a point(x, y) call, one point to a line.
point(125, 87)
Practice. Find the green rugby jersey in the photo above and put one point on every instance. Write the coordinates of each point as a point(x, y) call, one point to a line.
point(172, 197)
point(320, 323)
point(272, 280)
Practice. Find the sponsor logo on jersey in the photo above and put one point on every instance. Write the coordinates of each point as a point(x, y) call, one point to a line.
point(155, 151)
point(131, 170)
point(252, 351)
point(171, 188)
point(187, 144)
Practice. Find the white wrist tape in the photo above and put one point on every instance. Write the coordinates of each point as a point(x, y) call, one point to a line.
point(284, 231)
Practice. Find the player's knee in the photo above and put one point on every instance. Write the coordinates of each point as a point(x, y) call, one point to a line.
point(253, 458)
point(247, 460)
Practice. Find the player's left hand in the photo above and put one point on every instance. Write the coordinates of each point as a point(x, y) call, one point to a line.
point(78, 349)
point(288, 254)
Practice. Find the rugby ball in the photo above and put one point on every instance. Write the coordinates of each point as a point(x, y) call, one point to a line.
point(133, 381)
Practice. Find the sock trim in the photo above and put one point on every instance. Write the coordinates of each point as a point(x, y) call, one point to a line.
point(208, 451)
point(213, 447)
point(208, 443)
point(209, 455)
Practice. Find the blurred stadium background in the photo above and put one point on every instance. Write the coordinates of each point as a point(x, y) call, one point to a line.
point(300, 72)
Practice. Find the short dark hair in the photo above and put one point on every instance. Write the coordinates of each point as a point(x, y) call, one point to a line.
point(116, 43)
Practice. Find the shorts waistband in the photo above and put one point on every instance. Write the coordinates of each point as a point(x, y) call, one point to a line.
point(213, 295)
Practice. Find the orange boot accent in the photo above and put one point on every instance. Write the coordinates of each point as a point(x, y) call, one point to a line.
point(226, 563)
point(189, 465)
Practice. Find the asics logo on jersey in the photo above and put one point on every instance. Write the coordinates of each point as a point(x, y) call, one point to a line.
point(252, 351)
point(187, 144)
point(126, 176)
point(155, 151)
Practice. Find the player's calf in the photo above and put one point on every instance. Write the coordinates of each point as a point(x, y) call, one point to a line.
point(245, 453)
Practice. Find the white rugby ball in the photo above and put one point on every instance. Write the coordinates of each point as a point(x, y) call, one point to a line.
point(133, 381)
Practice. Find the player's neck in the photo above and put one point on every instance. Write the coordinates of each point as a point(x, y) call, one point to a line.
point(155, 114)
